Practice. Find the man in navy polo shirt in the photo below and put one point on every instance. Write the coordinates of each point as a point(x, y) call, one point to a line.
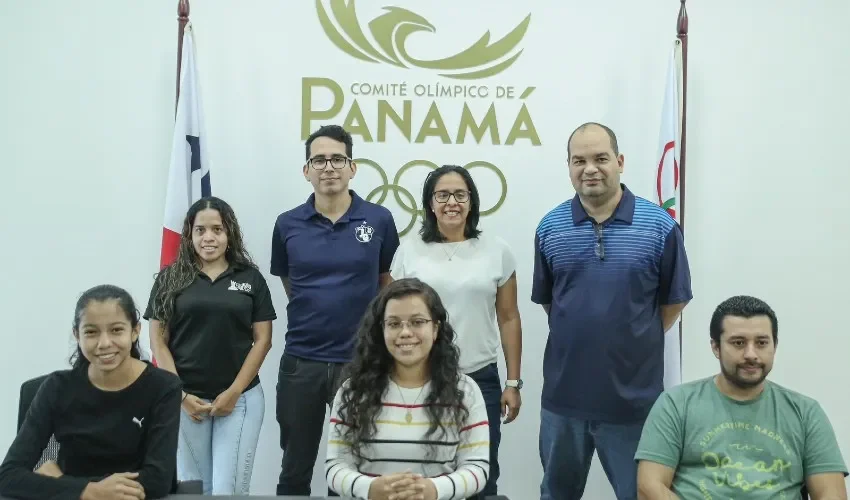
point(332, 254)
point(611, 272)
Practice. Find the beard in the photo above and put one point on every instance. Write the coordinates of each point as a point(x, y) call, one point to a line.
point(740, 379)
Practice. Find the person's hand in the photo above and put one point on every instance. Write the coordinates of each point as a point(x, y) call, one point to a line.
point(50, 469)
point(195, 407)
point(510, 403)
point(422, 488)
point(224, 403)
point(389, 486)
point(121, 486)
point(429, 489)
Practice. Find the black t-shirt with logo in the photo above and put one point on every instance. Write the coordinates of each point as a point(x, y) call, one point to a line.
point(99, 432)
point(211, 331)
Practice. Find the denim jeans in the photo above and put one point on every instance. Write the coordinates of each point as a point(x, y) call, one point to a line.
point(488, 381)
point(566, 452)
point(219, 451)
point(305, 389)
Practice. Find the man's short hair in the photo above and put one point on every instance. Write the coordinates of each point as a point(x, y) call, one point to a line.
point(742, 306)
point(334, 132)
point(611, 135)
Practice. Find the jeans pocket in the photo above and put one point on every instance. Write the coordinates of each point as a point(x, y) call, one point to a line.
point(288, 365)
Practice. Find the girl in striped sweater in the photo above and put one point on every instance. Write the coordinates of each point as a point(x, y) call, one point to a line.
point(407, 423)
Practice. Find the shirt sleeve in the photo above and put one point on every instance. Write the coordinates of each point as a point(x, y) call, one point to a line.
point(157, 472)
point(17, 479)
point(390, 244)
point(280, 260)
point(508, 263)
point(541, 287)
point(149, 314)
point(663, 434)
point(341, 473)
point(473, 452)
point(397, 270)
point(263, 306)
point(675, 271)
point(822, 453)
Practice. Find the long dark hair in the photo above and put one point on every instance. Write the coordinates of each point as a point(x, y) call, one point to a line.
point(369, 372)
point(102, 293)
point(178, 275)
point(429, 230)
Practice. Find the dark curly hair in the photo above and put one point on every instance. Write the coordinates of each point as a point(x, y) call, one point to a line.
point(369, 372)
point(178, 275)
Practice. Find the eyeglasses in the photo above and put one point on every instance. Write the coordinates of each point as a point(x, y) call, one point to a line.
point(600, 249)
point(443, 196)
point(321, 163)
point(415, 325)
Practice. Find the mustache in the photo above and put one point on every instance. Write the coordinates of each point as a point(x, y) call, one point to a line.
point(751, 365)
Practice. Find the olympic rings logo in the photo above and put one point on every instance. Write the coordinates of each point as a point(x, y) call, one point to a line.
point(407, 201)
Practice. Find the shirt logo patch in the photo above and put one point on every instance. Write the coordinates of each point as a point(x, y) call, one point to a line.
point(364, 232)
point(239, 287)
point(138, 421)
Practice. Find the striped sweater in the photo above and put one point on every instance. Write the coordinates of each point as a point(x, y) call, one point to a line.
point(459, 465)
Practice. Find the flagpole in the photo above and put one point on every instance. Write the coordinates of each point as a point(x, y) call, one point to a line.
point(182, 20)
point(682, 35)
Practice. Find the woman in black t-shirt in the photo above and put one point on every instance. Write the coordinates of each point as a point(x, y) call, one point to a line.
point(211, 318)
point(115, 417)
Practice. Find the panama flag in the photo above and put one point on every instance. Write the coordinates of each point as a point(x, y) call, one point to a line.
point(667, 183)
point(189, 171)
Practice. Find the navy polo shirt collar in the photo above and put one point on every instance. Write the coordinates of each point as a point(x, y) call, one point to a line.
point(624, 212)
point(355, 212)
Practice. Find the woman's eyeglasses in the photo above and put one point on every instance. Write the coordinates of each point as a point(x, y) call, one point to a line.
point(415, 325)
point(459, 196)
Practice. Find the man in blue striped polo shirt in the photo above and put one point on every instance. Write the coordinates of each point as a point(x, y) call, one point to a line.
point(611, 272)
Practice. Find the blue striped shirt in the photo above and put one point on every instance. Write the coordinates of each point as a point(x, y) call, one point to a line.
point(605, 284)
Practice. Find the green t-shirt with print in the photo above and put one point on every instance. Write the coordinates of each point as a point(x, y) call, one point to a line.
point(727, 449)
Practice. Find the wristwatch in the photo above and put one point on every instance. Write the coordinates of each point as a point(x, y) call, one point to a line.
point(517, 384)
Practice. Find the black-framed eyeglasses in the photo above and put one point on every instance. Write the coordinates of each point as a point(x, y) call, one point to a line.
point(460, 196)
point(600, 248)
point(337, 162)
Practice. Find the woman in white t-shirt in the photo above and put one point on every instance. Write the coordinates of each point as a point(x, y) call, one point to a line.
point(474, 274)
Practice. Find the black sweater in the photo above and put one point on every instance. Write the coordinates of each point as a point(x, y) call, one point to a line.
point(100, 433)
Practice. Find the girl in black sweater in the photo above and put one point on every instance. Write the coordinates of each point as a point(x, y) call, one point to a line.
point(115, 417)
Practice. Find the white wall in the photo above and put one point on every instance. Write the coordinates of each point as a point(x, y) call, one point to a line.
point(86, 106)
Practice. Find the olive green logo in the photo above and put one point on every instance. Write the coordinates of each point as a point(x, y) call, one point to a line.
point(391, 30)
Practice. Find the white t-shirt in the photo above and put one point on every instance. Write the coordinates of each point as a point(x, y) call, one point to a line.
point(466, 276)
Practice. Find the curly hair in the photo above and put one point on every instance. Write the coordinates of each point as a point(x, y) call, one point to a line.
point(177, 276)
point(369, 372)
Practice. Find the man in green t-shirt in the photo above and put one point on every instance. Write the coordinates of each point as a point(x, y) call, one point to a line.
point(736, 435)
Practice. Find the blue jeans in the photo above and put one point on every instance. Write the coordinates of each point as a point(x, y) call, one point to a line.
point(220, 451)
point(488, 381)
point(566, 452)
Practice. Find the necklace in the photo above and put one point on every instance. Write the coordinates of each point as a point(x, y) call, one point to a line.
point(456, 247)
point(408, 417)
